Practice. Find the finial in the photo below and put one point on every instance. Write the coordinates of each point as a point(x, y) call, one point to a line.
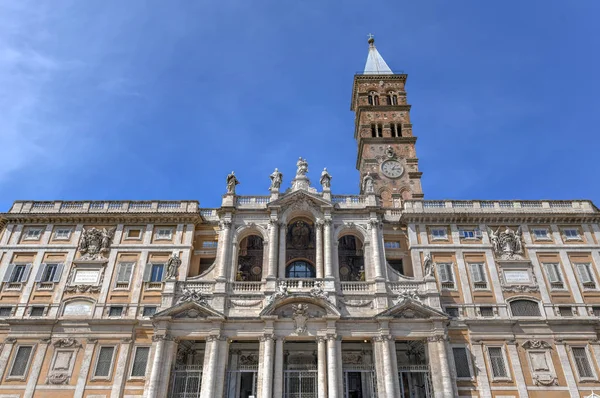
point(371, 39)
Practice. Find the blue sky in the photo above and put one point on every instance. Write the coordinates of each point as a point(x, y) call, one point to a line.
point(161, 100)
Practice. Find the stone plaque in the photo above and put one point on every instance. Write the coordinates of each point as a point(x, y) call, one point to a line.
point(516, 276)
point(88, 277)
point(78, 308)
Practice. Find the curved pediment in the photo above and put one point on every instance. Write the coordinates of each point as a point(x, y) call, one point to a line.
point(318, 307)
point(189, 310)
point(412, 309)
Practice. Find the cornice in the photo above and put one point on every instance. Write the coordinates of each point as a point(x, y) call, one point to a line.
point(101, 218)
point(500, 218)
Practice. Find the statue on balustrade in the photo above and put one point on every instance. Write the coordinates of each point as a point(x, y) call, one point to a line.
point(325, 179)
point(276, 178)
point(302, 167)
point(232, 181)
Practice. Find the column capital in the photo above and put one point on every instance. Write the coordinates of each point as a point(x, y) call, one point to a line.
point(10, 340)
point(47, 340)
point(213, 337)
point(436, 338)
point(327, 221)
point(266, 337)
point(321, 339)
point(162, 337)
point(126, 340)
point(333, 337)
point(319, 221)
point(91, 340)
point(224, 224)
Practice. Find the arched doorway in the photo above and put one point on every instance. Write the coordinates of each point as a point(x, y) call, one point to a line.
point(250, 259)
point(351, 259)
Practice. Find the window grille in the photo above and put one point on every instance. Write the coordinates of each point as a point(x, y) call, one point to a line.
point(541, 234)
point(104, 361)
point(115, 311)
point(21, 361)
point(452, 312)
point(565, 310)
point(140, 361)
point(461, 362)
point(62, 234)
point(525, 308)
point(581, 361)
point(149, 311)
point(5, 312)
point(595, 311)
point(33, 233)
point(497, 362)
point(487, 312)
point(36, 311)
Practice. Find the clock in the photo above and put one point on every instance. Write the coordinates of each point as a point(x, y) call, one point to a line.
point(392, 168)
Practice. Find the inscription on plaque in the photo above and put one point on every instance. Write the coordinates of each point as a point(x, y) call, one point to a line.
point(517, 277)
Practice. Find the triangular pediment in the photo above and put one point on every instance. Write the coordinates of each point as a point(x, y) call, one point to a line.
point(189, 310)
point(411, 309)
point(273, 308)
point(300, 196)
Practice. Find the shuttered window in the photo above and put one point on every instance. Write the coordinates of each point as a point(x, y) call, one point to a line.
point(497, 362)
point(525, 308)
point(585, 275)
point(104, 361)
point(19, 367)
point(461, 361)
point(581, 361)
point(124, 273)
point(140, 361)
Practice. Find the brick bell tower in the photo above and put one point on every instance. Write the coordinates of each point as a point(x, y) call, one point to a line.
point(386, 145)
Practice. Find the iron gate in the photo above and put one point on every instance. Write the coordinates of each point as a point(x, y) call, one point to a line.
point(186, 381)
point(415, 381)
point(300, 384)
point(359, 382)
point(242, 383)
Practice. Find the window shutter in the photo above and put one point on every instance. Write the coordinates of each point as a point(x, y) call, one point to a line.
point(26, 273)
point(58, 273)
point(140, 361)
point(147, 272)
point(461, 362)
point(8, 273)
point(478, 233)
point(443, 273)
point(164, 273)
point(584, 273)
point(449, 272)
point(552, 273)
point(40, 272)
point(477, 273)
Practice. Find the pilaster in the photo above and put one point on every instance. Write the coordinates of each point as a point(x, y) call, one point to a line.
point(211, 356)
point(7, 347)
point(121, 370)
point(319, 249)
point(36, 367)
point(563, 357)
point(85, 367)
point(332, 364)
point(516, 367)
point(278, 371)
point(321, 367)
point(483, 382)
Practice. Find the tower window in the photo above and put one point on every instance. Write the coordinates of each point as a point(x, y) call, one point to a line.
point(396, 130)
point(379, 130)
point(370, 99)
point(394, 100)
point(373, 130)
point(376, 100)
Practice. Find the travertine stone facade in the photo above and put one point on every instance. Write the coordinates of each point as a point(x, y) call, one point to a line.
point(305, 293)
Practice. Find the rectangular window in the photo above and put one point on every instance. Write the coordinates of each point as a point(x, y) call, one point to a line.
point(62, 234)
point(209, 244)
point(5, 312)
point(124, 275)
point(461, 362)
point(156, 274)
point(446, 275)
point(133, 233)
point(487, 312)
point(49, 273)
point(36, 311)
point(164, 233)
point(17, 273)
point(373, 129)
point(595, 311)
point(497, 362)
point(571, 234)
point(21, 361)
point(452, 312)
point(149, 311)
point(584, 369)
point(478, 275)
point(554, 276)
point(115, 311)
point(541, 234)
point(140, 362)
point(565, 310)
point(391, 245)
point(32, 234)
point(439, 234)
point(585, 275)
point(104, 362)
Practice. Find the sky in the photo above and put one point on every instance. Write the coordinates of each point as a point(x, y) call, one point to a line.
point(162, 99)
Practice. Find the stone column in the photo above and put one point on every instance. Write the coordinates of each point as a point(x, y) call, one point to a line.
point(282, 240)
point(388, 366)
point(332, 373)
point(483, 382)
point(327, 249)
point(211, 355)
point(84, 370)
point(442, 356)
point(221, 366)
point(321, 367)
point(7, 347)
point(278, 372)
point(120, 373)
point(36, 367)
point(224, 246)
point(377, 264)
point(267, 368)
point(516, 366)
point(272, 267)
point(157, 361)
point(319, 254)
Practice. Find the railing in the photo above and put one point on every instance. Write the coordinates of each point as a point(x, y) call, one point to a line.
point(252, 201)
point(296, 284)
point(356, 287)
point(399, 287)
point(245, 287)
point(202, 287)
point(209, 214)
point(125, 206)
point(510, 206)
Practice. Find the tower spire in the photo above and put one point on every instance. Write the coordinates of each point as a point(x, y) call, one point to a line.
point(375, 64)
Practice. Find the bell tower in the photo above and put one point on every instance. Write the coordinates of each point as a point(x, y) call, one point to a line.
point(386, 144)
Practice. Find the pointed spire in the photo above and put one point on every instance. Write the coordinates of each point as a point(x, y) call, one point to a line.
point(375, 64)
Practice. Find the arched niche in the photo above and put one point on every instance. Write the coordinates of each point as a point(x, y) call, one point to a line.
point(351, 258)
point(300, 240)
point(250, 258)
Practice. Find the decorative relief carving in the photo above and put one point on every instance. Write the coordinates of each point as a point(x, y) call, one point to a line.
point(506, 244)
point(248, 360)
point(95, 243)
point(318, 291)
point(357, 303)
point(545, 380)
point(537, 344)
point(67, 342)
point(245, 303)
point(352, 358)
point(282, 291)
point(58, 378)
point(411, 294)
point(300, 317)
point(190, 295)
point(82, 289)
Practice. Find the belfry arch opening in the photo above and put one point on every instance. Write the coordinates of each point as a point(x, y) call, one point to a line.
point(351, 258)
point(250, 259)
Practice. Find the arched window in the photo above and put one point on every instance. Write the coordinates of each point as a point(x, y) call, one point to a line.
point(394, 99)
point(350, 258)
point(250, 259)
point(376, 100)
point(525, 308)
point(370, 99)
point(300, 269)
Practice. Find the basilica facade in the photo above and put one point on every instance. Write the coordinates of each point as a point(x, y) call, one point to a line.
point(305, 293)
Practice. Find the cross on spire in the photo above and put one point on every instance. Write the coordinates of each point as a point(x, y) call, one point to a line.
point(370, 36)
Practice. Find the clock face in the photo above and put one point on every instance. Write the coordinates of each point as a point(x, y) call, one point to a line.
point(392, 168)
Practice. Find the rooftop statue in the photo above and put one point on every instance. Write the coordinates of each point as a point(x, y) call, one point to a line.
point(276, 178)
point(302, 167)
point(232, 181)
point(325, 179)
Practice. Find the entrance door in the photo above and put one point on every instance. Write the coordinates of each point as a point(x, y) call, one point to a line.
point(186, 381)
point(359, 383)
point(415, 383)
point(300, 384)
point(241, 383)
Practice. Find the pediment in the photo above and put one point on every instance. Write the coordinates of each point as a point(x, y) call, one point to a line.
point(300, 198)
point(189, 310)
point(411, 309)
point(319, 307)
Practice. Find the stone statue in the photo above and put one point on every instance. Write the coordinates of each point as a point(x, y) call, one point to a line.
point(300, 317)
point(95, 243)
point(367, 183)
point(281, 292)
point(172, 265)
point(325, 179)
point(318, 291)
point(192, 295)
point(429, 265)
point(302, 167)
point(276, 179)
point(232, 181)
point(507, 245)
